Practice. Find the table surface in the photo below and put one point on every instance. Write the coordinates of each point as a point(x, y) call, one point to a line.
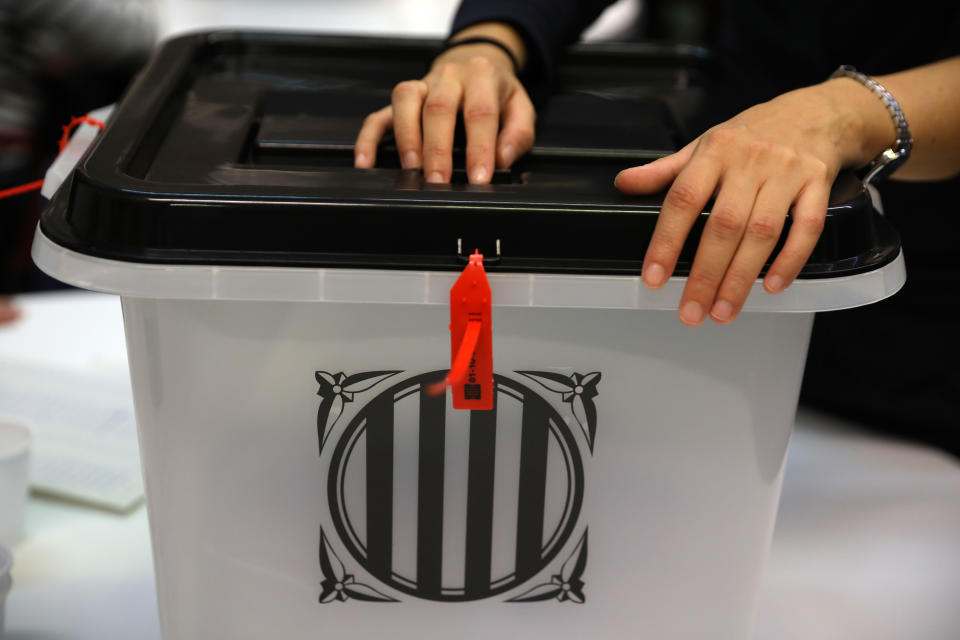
point(867, 545)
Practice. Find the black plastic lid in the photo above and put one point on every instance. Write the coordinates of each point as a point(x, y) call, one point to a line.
point(236, 148)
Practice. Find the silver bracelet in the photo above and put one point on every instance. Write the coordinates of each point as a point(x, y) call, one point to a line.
point(891, 159)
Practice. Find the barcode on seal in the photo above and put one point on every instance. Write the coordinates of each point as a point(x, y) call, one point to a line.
point(471, 392)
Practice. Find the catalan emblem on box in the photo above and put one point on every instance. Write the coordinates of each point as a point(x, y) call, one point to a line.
point(426, 502)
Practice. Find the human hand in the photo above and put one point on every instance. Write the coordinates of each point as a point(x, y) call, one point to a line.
point(8, 312)
point(777, 156)
point(497, 113)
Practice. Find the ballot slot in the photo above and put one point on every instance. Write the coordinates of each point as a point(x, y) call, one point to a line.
point(310, 130)
point(301, 142)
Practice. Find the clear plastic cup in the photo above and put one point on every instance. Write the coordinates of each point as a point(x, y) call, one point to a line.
point(14, 475)
point(6, 563)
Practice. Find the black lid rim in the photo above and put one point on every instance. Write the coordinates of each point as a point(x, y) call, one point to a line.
point(111, 209)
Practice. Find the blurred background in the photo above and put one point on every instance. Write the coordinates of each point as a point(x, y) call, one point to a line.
point(57, 58)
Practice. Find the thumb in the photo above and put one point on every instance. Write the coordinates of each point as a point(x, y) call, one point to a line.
point(654, 176)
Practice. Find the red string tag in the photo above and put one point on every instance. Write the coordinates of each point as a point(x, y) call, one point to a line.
point(64, 140)
point(471, 338)
point(24, 188)
point(76, 121)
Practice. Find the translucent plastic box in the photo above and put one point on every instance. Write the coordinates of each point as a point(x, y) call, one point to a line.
point(284, 314)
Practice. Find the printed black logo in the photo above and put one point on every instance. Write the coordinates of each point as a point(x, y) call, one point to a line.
point(451, 505)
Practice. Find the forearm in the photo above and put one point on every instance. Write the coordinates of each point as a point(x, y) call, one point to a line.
point(930, 99)
point(545, 26)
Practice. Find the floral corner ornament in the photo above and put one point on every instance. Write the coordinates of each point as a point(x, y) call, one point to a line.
point(336, 389)
point(578, 391)
point(337, 584)
point(566, 586)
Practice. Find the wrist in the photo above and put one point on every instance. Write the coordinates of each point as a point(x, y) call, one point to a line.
point(499, 31)
point(863, 124)
point(467, 52)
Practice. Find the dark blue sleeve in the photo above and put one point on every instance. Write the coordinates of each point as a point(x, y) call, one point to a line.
point(547, 26)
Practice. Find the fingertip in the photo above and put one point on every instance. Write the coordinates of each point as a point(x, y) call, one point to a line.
point(622, 178)
point(655, 175)
point(691, 313)
point(511, 146)
point(723, 312)
point(654, 275)
point(507, 155)
point(641, 180)
point(518, 131)
point(479, 175)
point(512, 143)
point(774, 284)
point(410, 160)
point(8, 312)
point(361, 161)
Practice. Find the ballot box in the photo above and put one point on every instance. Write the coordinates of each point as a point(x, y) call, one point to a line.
point(286, 315)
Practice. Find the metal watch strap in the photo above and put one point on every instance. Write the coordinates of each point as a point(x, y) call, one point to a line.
point(891, 159)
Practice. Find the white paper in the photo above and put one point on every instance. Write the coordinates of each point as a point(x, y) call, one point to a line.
point(84, 432)
point(63, 374)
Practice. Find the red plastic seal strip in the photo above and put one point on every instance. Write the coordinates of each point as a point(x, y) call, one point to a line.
point(471, 339)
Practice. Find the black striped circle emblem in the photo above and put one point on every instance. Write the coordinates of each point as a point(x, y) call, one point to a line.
point(544, 489)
